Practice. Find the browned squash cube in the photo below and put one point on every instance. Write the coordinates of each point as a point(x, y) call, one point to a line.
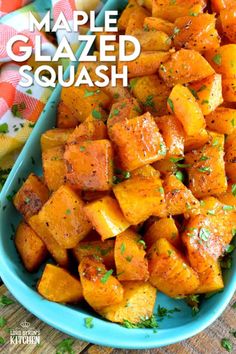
point(90, 129)
point(211, 279)
point(163, 228)
point(196, 141)
point(136, 20)
point(30, 247)
point(89, 165)
point(130, 260)
point(100, 249)
point(229, 197)
point(183, 67)
point(65, 118)
point(138, 142)
point(183, 105)
point(42, 230)
point(100, 287)
point(152, 92)
point(117, 93)
point(173, 135)
point(158, 24)
point(140, 297)
point(64, 215)
point(54, 138)
point(150, 40)
point(169, 271)
point(230, 156)
point(126, 14)
point(207, 169)
point(31, 196)
point(222, 120)
point(57, 285)
point(54, 167)
point(228, 22)
point(179, 199)
point(141, 191)
point(106, 217)
point(165, 167)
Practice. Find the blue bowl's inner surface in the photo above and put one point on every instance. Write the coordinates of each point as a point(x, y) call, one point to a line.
point(70, 319)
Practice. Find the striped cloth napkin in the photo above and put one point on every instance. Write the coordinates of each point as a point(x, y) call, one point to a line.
point(21, 107)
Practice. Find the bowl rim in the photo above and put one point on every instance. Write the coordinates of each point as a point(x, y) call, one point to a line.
point(115, 336)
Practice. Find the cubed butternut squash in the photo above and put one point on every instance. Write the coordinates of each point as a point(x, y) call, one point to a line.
point(223, 60)
point(57, 285)
point(139, 190)
point(54, 168)
point(229, 89)
point(208, 93)
point(118, 92)
point(211, 279)
point(169, 271)
point(222, 120)
point(196, 32)
point(196, 141)
point(42, 230)
point(229, 197)
point(126, 14)
point(150, 40)
point(152, 92)
point(183, 67)
point(95, 279)
point(65, 217)
point(90, 129)
point(179, 199)
point(228, 23)
point(130, 260)
point(183, 105)
point(137, 141)
point(165, 167)
point(89, 165)
point(65, 118)
point(145, 171)
point(99, 249)
point(230, 156)
point(136, 20)
point(163, 228)
point(218, 5)
point(206, 168)
point(54, 138)
point(158, 24)
point(30, 247)
point(32, 195)
point(173, 135)
point(138, 302)
point(106, 217)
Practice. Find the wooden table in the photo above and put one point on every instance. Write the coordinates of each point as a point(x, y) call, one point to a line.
point(207, 342)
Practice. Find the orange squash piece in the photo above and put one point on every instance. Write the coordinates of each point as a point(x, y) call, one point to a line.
point(230, 156)
point(54, 168)
point(222, 120)
point(228, 23)
point(163, 228)
point(130, 9)
point(54, 138)
point(158, 24)
point(65, 118)
point(136, 20)
point(90, 129)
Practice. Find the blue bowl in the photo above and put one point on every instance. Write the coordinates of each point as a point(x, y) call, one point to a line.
point(70, 319)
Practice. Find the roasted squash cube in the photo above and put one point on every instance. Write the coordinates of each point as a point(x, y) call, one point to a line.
point(207, 169)
point(138, 142)
point(130, 260)
point(173, 135)
point(152, 92)
point(229, 89)
point(42, 230)
point(230, 156)
point(163, 228)
point(169, 271)
point(170, 10)
point(208, 93)
point(145, 171)
point(196, 32)
point(221, 60)
point(184, 105)
point(150, 40)
point(196, 141)
point(228, 23)
point(140, 190)
point(229, 197)
point(65, 118)
point(136, 20)
point(126, 14)
point(31, 248)
point(158, 24)
point(106, 217)
point(146, 64)
point(100, 287)
point(64, 215)
point(211, 279)
point(179, 199)
point(138, 302)
point(99, 249)
point(118, 92)
point(183, 67)
point(222, 120)
point(89, 165)
point(54, 138)
point(32, 195)
point(165, 167)
point(54, 168)
point(90, 129)
point(56, 284)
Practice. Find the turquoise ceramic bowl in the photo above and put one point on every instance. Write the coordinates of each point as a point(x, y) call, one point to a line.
point(70, 319)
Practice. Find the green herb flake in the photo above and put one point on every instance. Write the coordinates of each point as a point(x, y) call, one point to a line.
point(129, 258)
point(65, 346)
point(133, 83)
point(217, 59)
point(106, 276)
point(122, 248)
point(204, 234)
point(227, 344)
point(2, 341)
point(234, 305)
point(228, 207)
point(88, 93)
point(171, 104)
point(88, 321)
point(204, 169)
point(143, 243)
point(4, 128)
point(82, 148)
point(149, 102)
point(116, 95)
point(6, 301)
point(3, 322)
point(233, 189)
point(229, 248)
point(233, 122)
point(96, 114)
point(195, 14)
point(203, 158)
point(194, 93)
point(144, 323)
point(68, 212)
point(29, 91)
point(179, 175)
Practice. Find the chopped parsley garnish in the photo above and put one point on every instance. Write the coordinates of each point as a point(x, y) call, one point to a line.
point(233, 122)
point(171, 104)
point(68, 212)
point(204, 169)
point(194, 302)
point(162, 150)
point(194, 93)
point(133, 82)
point(204, 234)
point(203, 158)
point(88, 321)
point(82, 148)
point(228, 207)
point(179, 175)
point(5, 301)
point(88, 93)
point(96, 114)
point(65, 346)
point(142, 242)
point(233, 189)
point(122, 248)
point(144, 323)
point(217, 59)
point(2, 341)
point(149, 102)
point(227, 344)
point(4, 128)
point(29, 91)
point(229, 248)
point(3, 321)
point(129, 258)
point(106, 276)
point(164, 312)
point(234, 305)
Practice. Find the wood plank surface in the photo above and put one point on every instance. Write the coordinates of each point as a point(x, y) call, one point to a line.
point(207, 342)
